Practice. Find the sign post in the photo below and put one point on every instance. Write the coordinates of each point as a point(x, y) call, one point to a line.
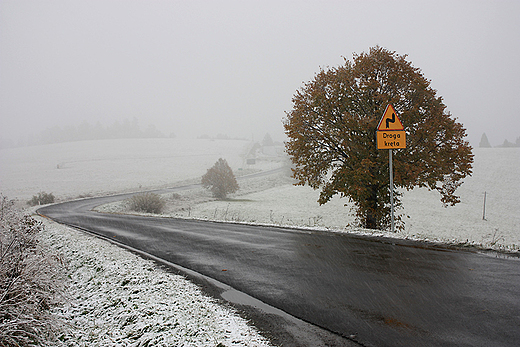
point(390, 135)
point(390, 167)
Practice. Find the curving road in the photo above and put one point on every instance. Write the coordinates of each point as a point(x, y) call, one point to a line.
point(373, 291)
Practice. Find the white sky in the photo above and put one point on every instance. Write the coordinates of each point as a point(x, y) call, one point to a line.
point(209, 67)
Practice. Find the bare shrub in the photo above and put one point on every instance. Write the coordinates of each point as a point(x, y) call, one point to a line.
point(148, 203)
point(41, 199)
point(30, 282)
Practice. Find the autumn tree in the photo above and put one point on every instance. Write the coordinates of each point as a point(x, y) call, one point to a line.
point(220, 179)
point(331, 133)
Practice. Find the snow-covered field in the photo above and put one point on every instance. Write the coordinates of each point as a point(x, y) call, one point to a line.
point(110, 166)
point(496, 173)
point(109, 284)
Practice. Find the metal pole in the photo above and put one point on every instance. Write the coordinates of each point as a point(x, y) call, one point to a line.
point(484, 210)
point(391, 190)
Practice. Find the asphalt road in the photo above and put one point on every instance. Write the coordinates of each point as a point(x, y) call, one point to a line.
point(374, 291)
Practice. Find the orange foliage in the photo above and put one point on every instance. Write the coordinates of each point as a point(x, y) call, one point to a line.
point(332, 135)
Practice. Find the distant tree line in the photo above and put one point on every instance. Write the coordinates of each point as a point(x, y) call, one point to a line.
point(85, 131)
point(220, 136)
point(484, 142)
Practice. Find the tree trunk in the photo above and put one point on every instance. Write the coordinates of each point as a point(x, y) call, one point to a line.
point(371, 221)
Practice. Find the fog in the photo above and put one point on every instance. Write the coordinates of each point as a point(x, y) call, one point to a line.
point(231, 67)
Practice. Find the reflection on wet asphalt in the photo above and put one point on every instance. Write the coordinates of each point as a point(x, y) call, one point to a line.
point(380, 292)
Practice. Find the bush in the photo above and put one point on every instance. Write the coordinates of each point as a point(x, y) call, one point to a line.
point(41, 199)
point(29, 281)
point(148, 203)
point(220, 179)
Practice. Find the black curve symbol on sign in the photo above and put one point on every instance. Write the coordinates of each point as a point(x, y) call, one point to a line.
point(388, 120)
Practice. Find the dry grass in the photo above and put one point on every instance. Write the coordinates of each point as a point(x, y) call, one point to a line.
point(30, 282)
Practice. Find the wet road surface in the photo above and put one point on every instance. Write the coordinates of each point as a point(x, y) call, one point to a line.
point(374, 291)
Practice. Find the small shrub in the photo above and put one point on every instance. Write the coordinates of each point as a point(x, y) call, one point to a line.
point(220, 179)
point(30, 282)
point(41, 199)
point(148, 203)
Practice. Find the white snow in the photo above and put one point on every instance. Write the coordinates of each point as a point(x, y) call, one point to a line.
point(110, 166)
point(119, 299)
point(496, 172)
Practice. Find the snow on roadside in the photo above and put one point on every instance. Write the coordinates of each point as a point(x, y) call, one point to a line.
point(291, 206)
point(116, 298)
point(277, 202)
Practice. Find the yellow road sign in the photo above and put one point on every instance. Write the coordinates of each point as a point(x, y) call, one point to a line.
point(391, 139)
point(390, 121)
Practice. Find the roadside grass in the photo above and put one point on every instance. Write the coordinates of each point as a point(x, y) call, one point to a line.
point(117, 298)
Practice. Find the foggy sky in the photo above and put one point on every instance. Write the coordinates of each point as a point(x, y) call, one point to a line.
point(232, 67)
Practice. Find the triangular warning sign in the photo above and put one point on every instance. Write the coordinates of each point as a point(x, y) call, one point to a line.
point(390, 121)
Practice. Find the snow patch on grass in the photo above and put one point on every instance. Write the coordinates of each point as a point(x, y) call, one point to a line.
point(116, 298)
